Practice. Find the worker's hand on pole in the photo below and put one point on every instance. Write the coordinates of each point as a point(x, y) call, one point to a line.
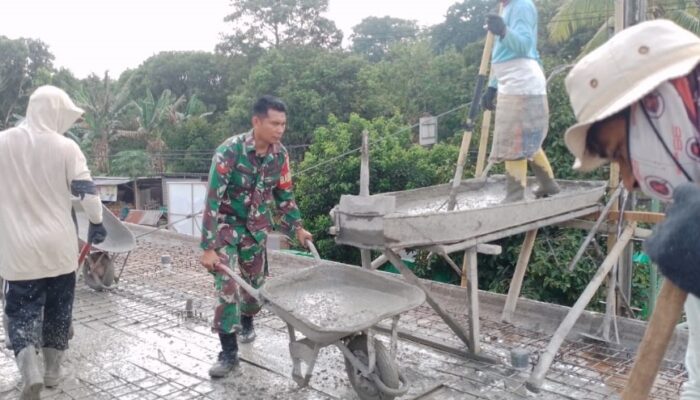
point(496, 25)
point(209, 259)
point(674, 246)
point(488, 100)
point(96, 233)
point(303, 235)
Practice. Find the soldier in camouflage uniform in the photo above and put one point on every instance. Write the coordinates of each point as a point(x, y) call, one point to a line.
point(249, 173)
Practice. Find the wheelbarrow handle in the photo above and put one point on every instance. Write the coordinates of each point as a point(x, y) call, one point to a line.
point(310, 245)
point(84, 253)
point(225, 270)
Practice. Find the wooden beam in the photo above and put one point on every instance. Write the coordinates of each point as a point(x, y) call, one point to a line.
point(517, 282)
point(646, 217)
point(473, 300)
point(537, 376)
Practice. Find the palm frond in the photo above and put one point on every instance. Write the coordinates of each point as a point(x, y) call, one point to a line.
point(601, 36)
point(575, 15)
point(686, 19)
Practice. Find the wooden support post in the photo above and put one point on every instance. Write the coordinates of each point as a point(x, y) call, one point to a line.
point(655, 341)
point(473, 299)
point(536, 379)
point(517, 282)
point(365, 254)
point(465, 269)
point(483, 142)
point(413, 279)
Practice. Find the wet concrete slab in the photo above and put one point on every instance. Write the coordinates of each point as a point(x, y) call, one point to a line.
point(139, 341)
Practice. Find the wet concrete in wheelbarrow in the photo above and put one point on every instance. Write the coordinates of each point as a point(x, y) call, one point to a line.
point(139, 341)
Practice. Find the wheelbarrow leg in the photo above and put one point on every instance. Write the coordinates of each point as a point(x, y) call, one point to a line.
point(305, 351)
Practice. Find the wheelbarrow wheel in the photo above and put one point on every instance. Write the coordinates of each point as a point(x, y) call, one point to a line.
point(102, 274)
point(385, 368)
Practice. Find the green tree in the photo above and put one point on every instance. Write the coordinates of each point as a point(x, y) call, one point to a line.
point(131, 163)
point(464, 24)
point(395, 164)
point(260, 24)
point(153, 116)
point(574, 16)
point(24, 65)
point(313, 82)
point(104, 103)
point(187, 73)
point(412, 80)
point(373, 35)
point(191, 144)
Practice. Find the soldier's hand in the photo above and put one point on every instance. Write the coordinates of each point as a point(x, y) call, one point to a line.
point(674, 244)
point(496, 25)
point(303, 235)
point(209, 259)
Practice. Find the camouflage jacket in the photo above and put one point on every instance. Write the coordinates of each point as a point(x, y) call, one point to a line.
point(242, 189)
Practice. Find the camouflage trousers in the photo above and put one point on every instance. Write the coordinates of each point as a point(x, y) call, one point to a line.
point(251, 257)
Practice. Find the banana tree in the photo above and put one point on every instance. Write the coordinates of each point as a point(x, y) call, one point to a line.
point(104, 104)
point(575, 15)
point(152, 116)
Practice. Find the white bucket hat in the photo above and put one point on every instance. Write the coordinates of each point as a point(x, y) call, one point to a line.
point(620, 72)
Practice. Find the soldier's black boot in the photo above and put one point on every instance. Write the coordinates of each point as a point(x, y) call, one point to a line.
point(228, 357)
point(247, 334)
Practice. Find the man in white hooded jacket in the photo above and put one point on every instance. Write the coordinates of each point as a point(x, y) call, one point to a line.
point(39, 170)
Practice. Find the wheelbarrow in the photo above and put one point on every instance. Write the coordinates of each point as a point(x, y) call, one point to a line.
point(331, 304)
point(98, 269)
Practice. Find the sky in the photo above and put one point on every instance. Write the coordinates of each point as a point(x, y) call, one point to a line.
point(91, 36)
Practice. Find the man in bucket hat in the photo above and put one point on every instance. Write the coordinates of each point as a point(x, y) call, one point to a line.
point(636, 102)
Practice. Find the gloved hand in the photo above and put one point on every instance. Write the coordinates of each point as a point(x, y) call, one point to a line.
point(96, 233)
point(496, 25)
point(675, 243)
point(488, 100)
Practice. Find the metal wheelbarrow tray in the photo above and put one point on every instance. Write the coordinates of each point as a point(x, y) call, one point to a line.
point(98, 271)
point(331, 304)
point(419, 217)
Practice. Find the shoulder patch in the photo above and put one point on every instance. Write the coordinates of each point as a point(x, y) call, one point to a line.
point(285, 175)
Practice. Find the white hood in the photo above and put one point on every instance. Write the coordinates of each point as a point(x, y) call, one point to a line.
point(51, 110)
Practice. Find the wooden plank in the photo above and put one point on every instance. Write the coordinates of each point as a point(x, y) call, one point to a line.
point(473, 299)
point(639, 233)
point(537, 377)
point(483, 142)
point(656, 338)
point(517, 282)
point(459, 246)
point(365, 255)
point(646, 217)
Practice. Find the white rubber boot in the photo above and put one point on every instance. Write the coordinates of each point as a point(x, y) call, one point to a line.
point(53, 373)
point(32, 378)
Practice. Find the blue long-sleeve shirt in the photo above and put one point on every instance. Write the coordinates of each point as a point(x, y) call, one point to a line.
point(520, 40)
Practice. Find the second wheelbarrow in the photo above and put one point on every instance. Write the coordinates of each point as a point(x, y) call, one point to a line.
point(331, 304)
point(98, 269)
